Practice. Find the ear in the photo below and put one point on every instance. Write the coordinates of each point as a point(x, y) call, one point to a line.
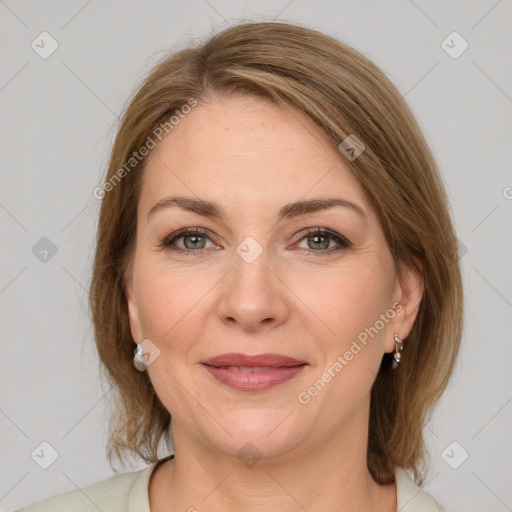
point(408, 294)
point(133, 312)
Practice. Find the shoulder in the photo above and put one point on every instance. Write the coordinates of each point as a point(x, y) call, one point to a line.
point(120, 493)
point(410, 497)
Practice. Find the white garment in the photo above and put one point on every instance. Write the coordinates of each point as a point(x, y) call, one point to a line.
point(128, 492)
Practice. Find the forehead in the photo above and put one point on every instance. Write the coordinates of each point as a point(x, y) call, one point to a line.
point(251, 151)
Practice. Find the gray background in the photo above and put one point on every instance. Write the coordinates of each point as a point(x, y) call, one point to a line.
point(58, 118)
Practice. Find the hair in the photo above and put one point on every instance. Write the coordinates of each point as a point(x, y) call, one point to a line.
point(345, 94)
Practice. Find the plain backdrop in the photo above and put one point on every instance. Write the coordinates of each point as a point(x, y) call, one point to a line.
point(58, 115)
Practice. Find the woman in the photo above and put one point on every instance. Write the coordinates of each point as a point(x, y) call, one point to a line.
point(276, 271)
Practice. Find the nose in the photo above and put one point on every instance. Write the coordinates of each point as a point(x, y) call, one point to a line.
point(253, 295)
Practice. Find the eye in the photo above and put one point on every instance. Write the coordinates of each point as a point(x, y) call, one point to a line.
point(193, 241)
point(189, 241)
point(319, 240)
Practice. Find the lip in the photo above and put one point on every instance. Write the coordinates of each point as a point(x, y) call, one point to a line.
point(275, 369)
point(254, 381)
point(237, 359)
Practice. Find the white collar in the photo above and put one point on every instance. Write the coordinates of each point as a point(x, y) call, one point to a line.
point(410, 498)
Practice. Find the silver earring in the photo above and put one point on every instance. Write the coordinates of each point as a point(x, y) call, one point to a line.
point(139, 359)
point(397, 356)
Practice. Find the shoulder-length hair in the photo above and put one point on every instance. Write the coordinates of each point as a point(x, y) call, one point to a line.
point(345, 94)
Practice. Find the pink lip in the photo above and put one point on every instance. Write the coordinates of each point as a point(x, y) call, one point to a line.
point(281, 369)
point(257, 381)
point(237, 359)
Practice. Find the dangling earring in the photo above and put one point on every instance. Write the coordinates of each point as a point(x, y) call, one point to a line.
point(398, 352)
point(139, 359)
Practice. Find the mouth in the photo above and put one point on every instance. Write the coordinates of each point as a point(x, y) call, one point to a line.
point(259, 373)
point(248, 369)
point(238, 360)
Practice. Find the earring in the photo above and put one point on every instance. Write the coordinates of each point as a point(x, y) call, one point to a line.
point(139, 359)
point(398, 352)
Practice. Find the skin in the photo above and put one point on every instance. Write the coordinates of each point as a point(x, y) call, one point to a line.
point(252, 157)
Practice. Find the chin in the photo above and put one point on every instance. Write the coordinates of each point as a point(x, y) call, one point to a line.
point(265, 434)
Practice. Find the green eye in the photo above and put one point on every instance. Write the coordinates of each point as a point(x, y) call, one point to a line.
point(195, 240)
point(318, 241)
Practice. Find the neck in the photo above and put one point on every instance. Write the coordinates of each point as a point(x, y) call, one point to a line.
point(331, 474)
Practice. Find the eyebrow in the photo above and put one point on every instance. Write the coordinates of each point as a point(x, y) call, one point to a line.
point(288, 211)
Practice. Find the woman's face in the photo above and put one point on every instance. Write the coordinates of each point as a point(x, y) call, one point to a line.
point(253, 280)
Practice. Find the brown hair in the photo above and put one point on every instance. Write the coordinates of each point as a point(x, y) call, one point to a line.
point(345, 94)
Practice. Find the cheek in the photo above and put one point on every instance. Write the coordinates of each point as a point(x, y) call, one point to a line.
point(348, 298)
point(169, 301)
point(170, 304)
point(350, 304)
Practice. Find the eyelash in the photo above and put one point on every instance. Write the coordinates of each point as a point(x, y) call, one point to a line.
point(167, 241)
